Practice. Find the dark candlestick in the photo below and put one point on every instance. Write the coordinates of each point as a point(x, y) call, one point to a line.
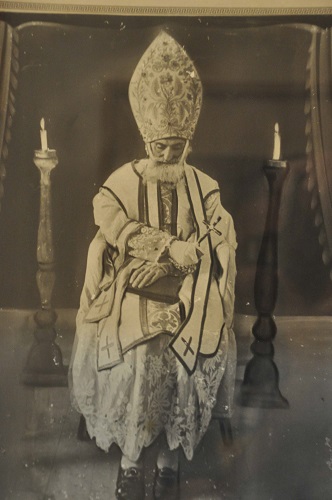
point(260, 385)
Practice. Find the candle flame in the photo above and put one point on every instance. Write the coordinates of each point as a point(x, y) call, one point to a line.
point(276, 127)
point(42, 124)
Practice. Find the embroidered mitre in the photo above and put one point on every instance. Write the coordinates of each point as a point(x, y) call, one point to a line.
point(165, 91)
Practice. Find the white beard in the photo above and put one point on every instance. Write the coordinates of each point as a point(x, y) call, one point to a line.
point(169, 173)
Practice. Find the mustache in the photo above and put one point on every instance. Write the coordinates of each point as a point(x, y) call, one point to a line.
point(170, 162)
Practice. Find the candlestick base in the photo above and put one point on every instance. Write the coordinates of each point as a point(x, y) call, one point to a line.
point(260, 386)
point(44, 365)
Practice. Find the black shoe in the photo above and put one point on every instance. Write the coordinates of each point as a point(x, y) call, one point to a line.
point(130, 484)
point(166, 484)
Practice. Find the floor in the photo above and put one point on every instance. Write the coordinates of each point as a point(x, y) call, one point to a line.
point(276, 454)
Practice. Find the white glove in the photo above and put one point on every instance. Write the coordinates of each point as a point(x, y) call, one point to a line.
point(184, 253)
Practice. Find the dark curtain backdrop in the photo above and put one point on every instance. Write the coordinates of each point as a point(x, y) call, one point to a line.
point(77, 79)
point(8, 85)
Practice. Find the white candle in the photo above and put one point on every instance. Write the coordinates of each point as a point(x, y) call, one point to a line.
point(43, 135)
point(276, 149)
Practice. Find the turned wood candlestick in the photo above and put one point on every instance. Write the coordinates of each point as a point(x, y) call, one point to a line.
point(44, 365)
point(260, 387)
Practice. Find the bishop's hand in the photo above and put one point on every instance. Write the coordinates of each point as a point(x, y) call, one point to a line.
point(147, 274)
point(184, 253)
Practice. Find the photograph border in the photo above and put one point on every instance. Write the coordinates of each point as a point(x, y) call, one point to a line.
point(88, 7)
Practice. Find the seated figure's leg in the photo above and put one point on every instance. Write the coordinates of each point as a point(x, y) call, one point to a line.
point(166, 483)
point(168, 458)
point(130, 481)
point(126, 463)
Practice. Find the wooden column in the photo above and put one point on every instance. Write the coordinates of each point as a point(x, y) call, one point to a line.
point(260, 387)
point(44, 365)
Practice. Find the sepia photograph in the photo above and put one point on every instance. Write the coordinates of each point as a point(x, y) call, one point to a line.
point(165, 252)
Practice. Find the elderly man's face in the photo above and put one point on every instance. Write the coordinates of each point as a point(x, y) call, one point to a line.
point(168, 150)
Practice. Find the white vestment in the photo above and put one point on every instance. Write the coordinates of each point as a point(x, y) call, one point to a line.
point(148, 389)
